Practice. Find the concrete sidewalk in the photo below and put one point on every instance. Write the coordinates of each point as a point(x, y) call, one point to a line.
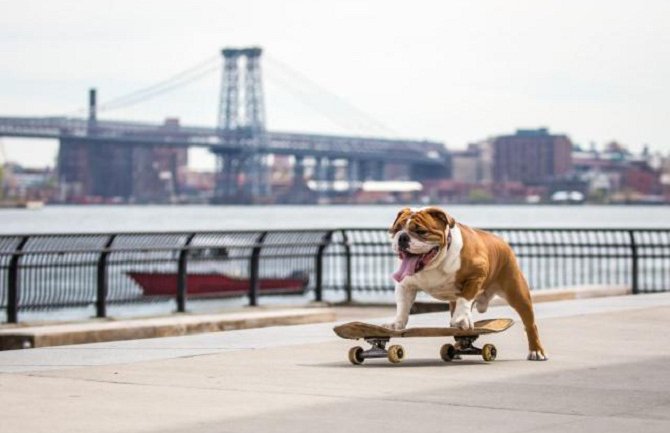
point(608, 372)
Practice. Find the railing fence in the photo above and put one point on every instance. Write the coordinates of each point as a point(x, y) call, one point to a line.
point(43, 272)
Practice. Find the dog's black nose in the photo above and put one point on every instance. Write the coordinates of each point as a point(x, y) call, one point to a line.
point(403, 241)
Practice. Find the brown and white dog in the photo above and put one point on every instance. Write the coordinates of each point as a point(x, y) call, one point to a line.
point(453, 262)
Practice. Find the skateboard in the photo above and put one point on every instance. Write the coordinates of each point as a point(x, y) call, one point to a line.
point(379, 336)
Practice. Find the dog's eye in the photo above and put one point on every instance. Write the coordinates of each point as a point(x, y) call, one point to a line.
point(421, 232)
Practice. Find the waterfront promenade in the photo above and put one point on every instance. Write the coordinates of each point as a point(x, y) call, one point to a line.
point(608, 371)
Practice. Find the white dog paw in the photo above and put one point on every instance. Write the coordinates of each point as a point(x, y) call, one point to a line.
point(537, 355)
point(461, 317)
point(462, 322)
point(396, 326)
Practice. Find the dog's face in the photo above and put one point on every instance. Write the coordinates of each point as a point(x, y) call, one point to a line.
point(418, 237)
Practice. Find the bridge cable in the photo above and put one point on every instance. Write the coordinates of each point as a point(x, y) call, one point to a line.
point(158, 92)
point(330, 106)
point(180, 79)
point(289, 87)
point(336, 105)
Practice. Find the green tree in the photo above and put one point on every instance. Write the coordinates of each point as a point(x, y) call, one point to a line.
point(598, 196)
point(479, 196)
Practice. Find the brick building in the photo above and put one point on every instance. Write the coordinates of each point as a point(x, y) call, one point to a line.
point(639, 177)
point(100, 170)
point(531, 156)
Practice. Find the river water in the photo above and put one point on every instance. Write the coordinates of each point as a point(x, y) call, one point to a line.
point(76, 219)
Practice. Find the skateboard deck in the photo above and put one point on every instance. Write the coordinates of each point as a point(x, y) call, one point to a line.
point(356, 330)
point(378, 336)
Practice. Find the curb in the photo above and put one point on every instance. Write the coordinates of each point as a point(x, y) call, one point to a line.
point(96, 332)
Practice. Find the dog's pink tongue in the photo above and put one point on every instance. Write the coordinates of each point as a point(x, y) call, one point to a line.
point(406, 267)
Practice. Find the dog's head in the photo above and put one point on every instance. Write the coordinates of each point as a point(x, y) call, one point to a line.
point(418, 237)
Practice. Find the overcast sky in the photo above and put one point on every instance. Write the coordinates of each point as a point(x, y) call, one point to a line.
point(452, 71)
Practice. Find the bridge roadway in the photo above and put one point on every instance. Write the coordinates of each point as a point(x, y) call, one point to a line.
point(608, 371)
point(428, 153)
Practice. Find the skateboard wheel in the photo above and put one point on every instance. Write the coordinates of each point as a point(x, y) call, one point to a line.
point(489, 352)
point(396, 353)
point(355, 355)
point(448, 352)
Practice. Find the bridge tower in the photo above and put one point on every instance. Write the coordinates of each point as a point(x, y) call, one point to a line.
point(241, 124)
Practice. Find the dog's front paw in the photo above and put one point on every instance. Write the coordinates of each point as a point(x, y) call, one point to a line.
point(395, 326)
point(462, 321)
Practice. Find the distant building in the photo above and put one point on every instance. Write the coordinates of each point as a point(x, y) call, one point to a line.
point(388, 192)
point(157, 173)
point(640, 178)
point(199, 181)
point(101, 171)
point(531, 157)
point(455, 191)
point(28, 183)
point(664, 178)
point(473, 165)
point(602, 170)
point(615, 174)
point(466, 165)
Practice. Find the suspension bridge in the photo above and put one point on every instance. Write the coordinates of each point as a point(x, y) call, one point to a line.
point(126, 159)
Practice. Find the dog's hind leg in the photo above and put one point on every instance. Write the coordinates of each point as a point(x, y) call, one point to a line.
point(517, 294)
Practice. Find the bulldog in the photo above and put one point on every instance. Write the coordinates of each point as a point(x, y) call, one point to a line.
point(465, 266)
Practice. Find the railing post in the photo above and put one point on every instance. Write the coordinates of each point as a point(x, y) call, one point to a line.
point(101, 298)
point(14, 283)
point(635, 264)
point(318, 289)
point(347, 266)
point(182, 274)
point(254, 262)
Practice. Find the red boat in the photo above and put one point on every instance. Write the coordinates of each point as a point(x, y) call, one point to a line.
point(165, 283)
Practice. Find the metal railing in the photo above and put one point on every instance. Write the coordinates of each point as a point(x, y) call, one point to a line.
point(43, 272)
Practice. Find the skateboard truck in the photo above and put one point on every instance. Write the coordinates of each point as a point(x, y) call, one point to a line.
point(464, 346)
point(394, 353)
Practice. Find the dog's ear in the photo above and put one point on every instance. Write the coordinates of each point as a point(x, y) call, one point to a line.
point(441, 215)
point(402, 213)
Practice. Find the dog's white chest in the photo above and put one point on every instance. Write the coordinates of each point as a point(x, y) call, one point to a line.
point(438, 283)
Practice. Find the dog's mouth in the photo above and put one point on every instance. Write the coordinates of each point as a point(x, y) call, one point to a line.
point(413, 263)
